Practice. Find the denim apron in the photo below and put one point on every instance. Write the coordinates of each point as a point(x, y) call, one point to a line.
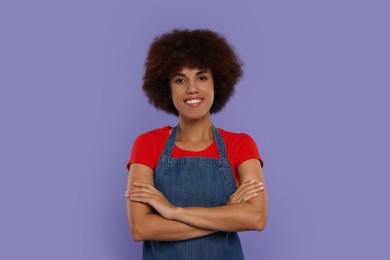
point(195, 182)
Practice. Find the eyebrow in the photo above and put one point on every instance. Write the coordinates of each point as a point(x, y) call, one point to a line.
point(183, 75)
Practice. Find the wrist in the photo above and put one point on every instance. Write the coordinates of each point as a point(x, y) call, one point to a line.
point(176, 213)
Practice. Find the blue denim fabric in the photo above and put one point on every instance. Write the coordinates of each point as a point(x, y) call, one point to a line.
point(195, 182)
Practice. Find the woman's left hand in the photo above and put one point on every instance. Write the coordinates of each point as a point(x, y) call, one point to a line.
point(246, 191)
point(146, 193)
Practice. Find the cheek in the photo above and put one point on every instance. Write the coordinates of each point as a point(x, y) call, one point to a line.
point(212, 93)
point(175, 99)
point(212, 98)
point(174, 96)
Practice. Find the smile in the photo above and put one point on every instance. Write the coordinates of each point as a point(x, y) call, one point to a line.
point(193, 101)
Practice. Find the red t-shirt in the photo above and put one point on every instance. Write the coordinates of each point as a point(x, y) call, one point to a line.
point(148, 148)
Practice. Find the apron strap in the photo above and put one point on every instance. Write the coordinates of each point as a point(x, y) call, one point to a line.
point(168, 149)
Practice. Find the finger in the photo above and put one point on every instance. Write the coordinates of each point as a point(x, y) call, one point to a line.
point(250, 196)
point(145, 185)
point(252, 190)
point(140, 192)
point(142, 184)
point(141, 199)
point(252, 186)
point(135, 189)
point(144, 196)
point(242, 187)
point(136, 193)
point(248, 182)
point(247, 186)
point(245, 192)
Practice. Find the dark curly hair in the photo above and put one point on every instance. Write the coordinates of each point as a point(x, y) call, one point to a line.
point(179, 48)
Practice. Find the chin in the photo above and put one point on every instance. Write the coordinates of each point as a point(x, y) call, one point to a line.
point(194, 117)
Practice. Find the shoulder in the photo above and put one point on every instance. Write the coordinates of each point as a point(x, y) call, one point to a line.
point(156, 132)
point(240, 147)
point(233, 138)
point(154, 136)
point(148, 147)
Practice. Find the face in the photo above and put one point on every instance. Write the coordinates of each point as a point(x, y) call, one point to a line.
point(192, 91)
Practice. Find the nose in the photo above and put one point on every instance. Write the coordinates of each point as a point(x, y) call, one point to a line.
point(192, 87)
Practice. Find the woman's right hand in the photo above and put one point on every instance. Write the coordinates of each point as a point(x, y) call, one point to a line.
point(245, 192)
point(147, 193)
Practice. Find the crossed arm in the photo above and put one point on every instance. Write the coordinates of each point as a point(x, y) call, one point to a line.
point(152, 217)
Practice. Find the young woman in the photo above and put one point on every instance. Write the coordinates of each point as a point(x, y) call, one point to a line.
point(193, 186)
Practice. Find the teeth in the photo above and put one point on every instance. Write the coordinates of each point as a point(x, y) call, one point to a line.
point(193, 101)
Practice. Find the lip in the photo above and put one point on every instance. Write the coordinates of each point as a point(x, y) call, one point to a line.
point(193, 101)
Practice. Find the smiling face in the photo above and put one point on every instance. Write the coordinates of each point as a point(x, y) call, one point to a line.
point(192, 91)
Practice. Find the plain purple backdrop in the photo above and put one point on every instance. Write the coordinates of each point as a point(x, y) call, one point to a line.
point(315, 97)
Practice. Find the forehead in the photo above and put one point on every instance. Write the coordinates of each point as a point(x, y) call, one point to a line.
point(191, 70)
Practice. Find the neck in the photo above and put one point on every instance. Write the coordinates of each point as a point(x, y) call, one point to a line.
point(195, 130)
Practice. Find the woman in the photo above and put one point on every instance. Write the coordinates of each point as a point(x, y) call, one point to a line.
point(182, 196)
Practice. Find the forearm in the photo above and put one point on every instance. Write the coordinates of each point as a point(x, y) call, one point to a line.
point(176, 223)
point(248, 215)
point(152, 226)
point(229, 218)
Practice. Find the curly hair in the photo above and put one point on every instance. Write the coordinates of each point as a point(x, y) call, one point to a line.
point(179, 48)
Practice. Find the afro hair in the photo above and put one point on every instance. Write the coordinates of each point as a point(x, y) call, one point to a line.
point(201, 48)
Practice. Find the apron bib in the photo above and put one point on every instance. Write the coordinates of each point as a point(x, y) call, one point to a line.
point(195, 182)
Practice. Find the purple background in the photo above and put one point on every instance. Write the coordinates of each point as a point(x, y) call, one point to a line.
point(315, 97)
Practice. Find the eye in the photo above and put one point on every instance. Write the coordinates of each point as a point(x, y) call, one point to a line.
point(203, 78)
point(179, 80)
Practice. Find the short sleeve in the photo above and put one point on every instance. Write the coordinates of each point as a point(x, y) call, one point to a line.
point(148, 147)
point(247, 150)
point(142, 152)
